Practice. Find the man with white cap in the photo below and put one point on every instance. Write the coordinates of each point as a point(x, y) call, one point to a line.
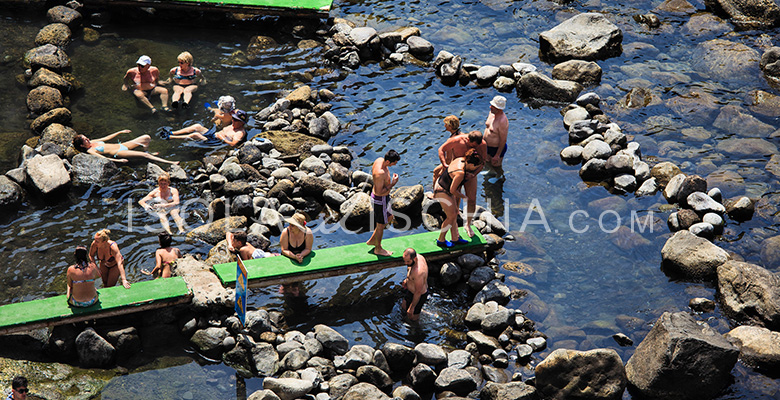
point(143, 81)
point(496, 131)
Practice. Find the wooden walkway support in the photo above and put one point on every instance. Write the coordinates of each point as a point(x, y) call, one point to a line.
point(345, 260)
point(312, 8)
point(113, 301)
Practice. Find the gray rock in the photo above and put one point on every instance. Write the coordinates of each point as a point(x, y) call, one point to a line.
point(749, 293)
point(702, 229)
point(282, 173)
point(406, 199)
point(288, 388)
point(504, 84)
point(405, 393)
point(455, 380)
point(594, 170)
point(495, 290)
point(587, 36)
point(422, 377)
point(511, 390)
point(582, 129)
point(430, 354)
point(741, 210)
point(486, 75)
point(87, 169)
point(237, 357)
point(340, 384)
point(365, 391)
point(93, 350)
point(380, 361)
point(47, 174)
point(715, 194)
point(47, 56)
point(338, 173)
point(625, 183)
point(700, 304)
point(400, 358)
point(758, 347)
point(43, 99)
point(56, 116)
point(493, 223)
point(642, 171)
point(476, 314)
point(588, 98)
point(596, 149)
point(459, 359)
point(316, 186)
point(485, 344)
point(748, 15)
point(572, 154)
point(599, 374)
point(480, 277)
point(318, 127)
point(493, 374)
point(313, 164)
point(702, 204)
point(333, 199)
point(264, 394)
point(11, 194)
point(420, 47)
point(676, 350)
point(357, 208)
point(543, 87)
point(648, 188)
point(450, 274)
point(451, 70)
point(584, 72)
point(45, 77)
point(357, 356)
point(619, 164)
point(295, 360)
point(664, 172)
point(575, 113)
point(537, 343)
point(209, 341)
point(524, 351)
point(325, 367)
point(713, 219)
point(331, 339)
point(692, 256)
point(523, 68)
point(496, 322)
point(257, 322)
point(374, 376)
point(443, 57)
point(691, 184)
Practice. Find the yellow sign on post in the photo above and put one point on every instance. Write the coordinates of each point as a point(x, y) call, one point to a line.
point(241, 283)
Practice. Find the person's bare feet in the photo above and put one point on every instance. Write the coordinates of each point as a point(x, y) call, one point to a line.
point(382, 252)
point(469, 231)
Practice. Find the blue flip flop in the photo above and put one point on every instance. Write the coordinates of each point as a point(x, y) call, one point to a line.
point(445, 243)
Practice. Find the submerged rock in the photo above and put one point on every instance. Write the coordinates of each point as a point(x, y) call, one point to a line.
point(598, 373)
point(749, 293)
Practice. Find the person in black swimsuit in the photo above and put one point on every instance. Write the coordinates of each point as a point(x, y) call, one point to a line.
point(447, 192)
point(296, 240)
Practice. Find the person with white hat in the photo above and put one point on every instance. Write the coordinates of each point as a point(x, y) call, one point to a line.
point(143, 81)
point(496, 132)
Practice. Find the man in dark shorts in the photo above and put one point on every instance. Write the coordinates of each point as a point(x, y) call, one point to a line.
point(415, 285)
point(380, 198)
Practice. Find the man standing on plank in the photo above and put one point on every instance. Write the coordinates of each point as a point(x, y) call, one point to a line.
point(496, 131)
point(457, 146)
point(380, 198)
point(415, 284)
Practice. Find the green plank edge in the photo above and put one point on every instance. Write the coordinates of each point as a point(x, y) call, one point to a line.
point(293, 4)
point(342, 257)
point(112, 298)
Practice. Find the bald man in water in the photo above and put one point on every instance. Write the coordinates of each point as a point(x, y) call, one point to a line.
point(415, 284)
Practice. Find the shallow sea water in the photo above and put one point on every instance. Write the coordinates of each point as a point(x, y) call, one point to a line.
point(583, 287)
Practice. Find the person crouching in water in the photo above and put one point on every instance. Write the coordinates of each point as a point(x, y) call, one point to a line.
point(164, 257)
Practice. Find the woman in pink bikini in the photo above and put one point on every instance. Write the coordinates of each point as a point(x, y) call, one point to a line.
point(81, 280)
point(106, 252)
point(143, 81)
point(186, 79)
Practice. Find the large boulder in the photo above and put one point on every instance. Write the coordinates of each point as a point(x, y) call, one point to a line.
point(88, 169)
point(290, 143)
point(265, 358)
point(316, 186)
point(57, 34)
point(58, 115)
point(681, 359)
point(43, 99)
point(93, 350)
point(749, 293)
point(47, 174)
point(572, 374)
point(584, 72)
point(691, 256)
point(331, 339)
point(758, 347)
point(400, 358)
point(47, 56)
point(58, 134)
point(588, 36)
point(748, 14)
point(64, 15)
point(511, 390)
point(214, 232)
point(209, 341)
point(406, 199)
point(45, 77)
point(288, 388)
point(357, 209)
point(11, 194)
point(365, 391)
point(540, 86)
point(456, 380)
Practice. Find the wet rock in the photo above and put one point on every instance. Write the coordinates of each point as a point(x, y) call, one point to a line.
point(405, 393)
point(288, 388)
point(11, 194)
point(730, 182)
point(331, 339)
point(747, 147)
point(420, 47)
point(599, 374)
point(450, 274)
point(313, 164)
point(93, 350)
point(282, 188)
point(333, 199)
point(496, 322)
point(58, 134)
point(625, 183)
point(363, 391)
point(622, 339)
point(687, 218)
point(357, 209)
point(480, 276)
point(749, 293)
point(87, 169)
point(47, 56)
point(295, 360)
point(574, 114)
point(43, 99)
point(723, 59)
point(673, 187)
point(57, 34)
point(209, 341)
point(758, 347)
point(264, 394)
point(539, 86)
point(700, 304)
point(400, 358)
point(572, 154)
point(504, 84)
point(316, 186)
point(340, 384)
point(511, 390)
point(486, 74)
point(406, 199)
point(58, 115)
point(289, 143)
point(702, 229)
point(537, 343)
point(648, 188)
point(581, 130)
point(374, 376)
point(676, 350)
point(737, 120)
point(714, 219)
point(584, 72)
point(485, 344)
point(45, 77)
point(64, 15)
point(664, 172)
point(459, 359)
point(770, 252)
point(455, 380)
point(690, 184)
point(430, 354)
point(691, 256)
point(300, 97)
point(747, 15)
point(587, 36)
point(596, 149)
point(594, 170)
point(702, 204)
point(357, 356)
point(47, 174)
point(214, 232)
point(318, 127)
point(239, 359)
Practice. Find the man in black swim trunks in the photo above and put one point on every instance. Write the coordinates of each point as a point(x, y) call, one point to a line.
point(415, 284)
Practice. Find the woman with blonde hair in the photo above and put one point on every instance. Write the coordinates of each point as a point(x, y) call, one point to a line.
point(296, 239)
point(164, 200)
point(185, 79)
point(81, 277)
point(105, 252)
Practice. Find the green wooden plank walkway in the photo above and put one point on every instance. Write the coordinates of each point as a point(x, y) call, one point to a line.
point(142, 296)
point(345, 260)
point(274, 7)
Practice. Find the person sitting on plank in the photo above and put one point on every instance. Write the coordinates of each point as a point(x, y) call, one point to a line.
point(164, 257)
point(81, 277)
point(296, 242)
point(117, 152)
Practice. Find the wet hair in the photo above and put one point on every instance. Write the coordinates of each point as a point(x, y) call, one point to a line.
point(164, 177)
point(80, 143)
point(165, 239)
point(240, 236)
point(18, 382)
point(472, 157)
point(452, 121)
point(103, 234)
point(185, 56)
point(475, 137)
point(392, 156)
point(80, 254)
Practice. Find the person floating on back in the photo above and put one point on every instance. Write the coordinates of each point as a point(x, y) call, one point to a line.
point(120, 152)
point(81, 277)
point(380, 198)
point(164, 257)
point(233, 134)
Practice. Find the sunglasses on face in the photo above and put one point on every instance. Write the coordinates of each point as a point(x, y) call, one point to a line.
point(22, 390)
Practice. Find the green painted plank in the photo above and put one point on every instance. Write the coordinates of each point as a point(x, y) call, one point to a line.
point(113, 298)
point(341, 257)
point(320, 5)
